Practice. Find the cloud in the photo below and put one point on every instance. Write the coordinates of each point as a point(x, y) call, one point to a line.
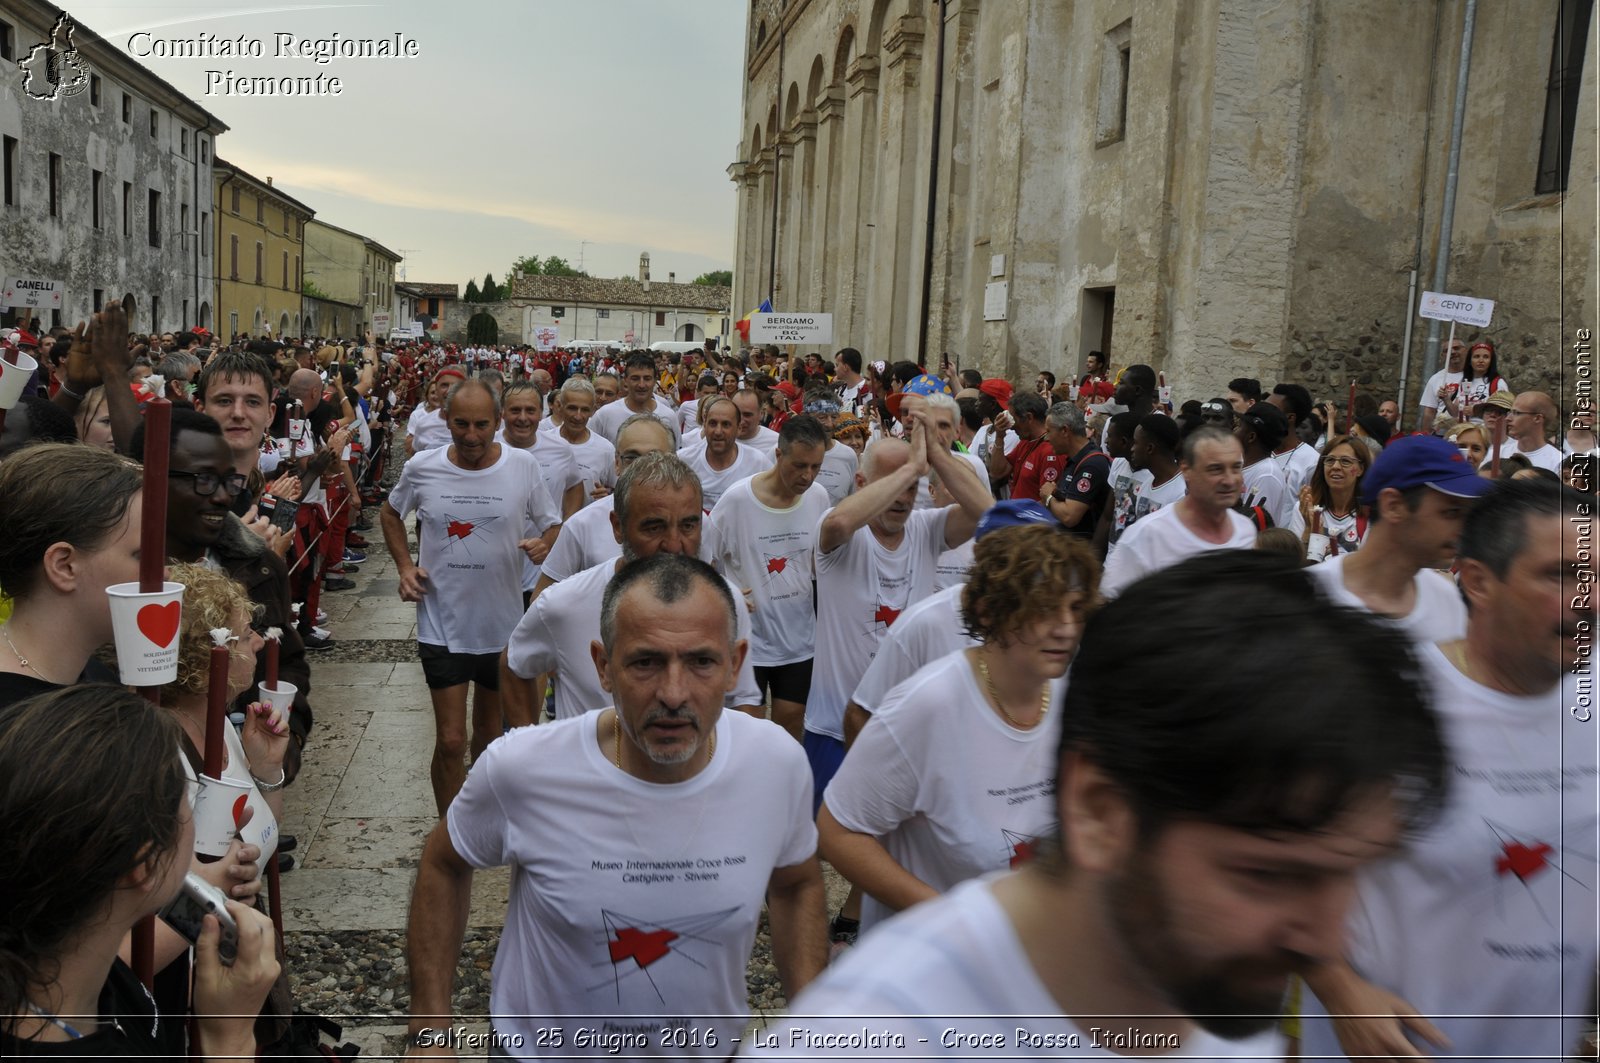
point(575, 223)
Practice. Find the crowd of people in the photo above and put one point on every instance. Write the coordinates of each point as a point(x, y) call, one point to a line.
point(1264, 719)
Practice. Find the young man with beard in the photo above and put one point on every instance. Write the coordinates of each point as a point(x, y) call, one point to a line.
point(1203, 856)
point(1480, 938)
point(718, 458)
point(476, 500)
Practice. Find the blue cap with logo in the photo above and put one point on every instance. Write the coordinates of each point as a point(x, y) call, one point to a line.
point(1014, 513)
point(1423, 461)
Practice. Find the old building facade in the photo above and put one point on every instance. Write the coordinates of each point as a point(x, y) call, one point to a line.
point(260, 242)
point(107, 187)
point(349, 271)
point(634, 312)
point(1216, 187)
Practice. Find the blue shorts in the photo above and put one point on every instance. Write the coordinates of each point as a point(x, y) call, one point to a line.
point(825, 754)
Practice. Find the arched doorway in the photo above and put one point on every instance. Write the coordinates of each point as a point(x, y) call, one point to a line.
point(205, 315)
point(255, 329)
point(690, 333)
point(283, 325)
point(130, 306)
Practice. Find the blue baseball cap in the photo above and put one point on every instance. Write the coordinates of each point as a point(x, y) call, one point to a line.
point(1014, 513)
point(1423, 461)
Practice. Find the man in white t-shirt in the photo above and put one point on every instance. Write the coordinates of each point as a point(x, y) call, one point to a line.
point(589, 537)
point(767, 526)
point(635, 896)
point(838, 473)
point(1530, 419)
point(652, 515)
point(475, 500)
point(752, 433)
point(425, 429)
point(1296, 458)
point(719, 459)
point(1260, 430)
point(1157, 441)
point(1186, 898)
point(593, 454)
point(1203, 520)
point(1417, 493)
point(1442, 385)
point(1484, 931)
point(875, 557)
point(639, 383)
point(932, 628)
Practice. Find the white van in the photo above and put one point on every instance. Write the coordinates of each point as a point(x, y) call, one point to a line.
point(679, 346)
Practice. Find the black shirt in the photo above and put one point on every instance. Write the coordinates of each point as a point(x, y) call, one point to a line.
point(1086, 478)
point(129, 1027)
point(16, 686)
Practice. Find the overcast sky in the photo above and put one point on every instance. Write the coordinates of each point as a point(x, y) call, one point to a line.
point(524, 126)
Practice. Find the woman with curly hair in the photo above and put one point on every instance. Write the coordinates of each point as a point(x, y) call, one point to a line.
point(254, 756)
point(1330, 504)
point(952, 776)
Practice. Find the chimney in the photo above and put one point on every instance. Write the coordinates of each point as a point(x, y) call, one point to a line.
point(269, 182)
point(644, 270)
point(672, 278)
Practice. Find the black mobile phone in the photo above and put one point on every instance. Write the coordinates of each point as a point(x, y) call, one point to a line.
point(194, 902)
point(281, 511)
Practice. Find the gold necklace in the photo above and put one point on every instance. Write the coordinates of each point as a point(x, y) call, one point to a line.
point(616, 741)
point(994, 696)
point(29, 665)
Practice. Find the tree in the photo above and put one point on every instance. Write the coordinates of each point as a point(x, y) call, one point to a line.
point(717, 278)
point(491, 293)
point(472, 295)
point(310, 290)
point(528, 264)
point(482, 328)
point(556, 266)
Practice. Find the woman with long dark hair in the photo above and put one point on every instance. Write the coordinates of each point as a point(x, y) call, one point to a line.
point(1480, 378)
point(98, 835)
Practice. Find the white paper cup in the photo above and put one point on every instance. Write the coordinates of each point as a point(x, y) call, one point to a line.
point(1317, 545)
point(145, 627)
point(218, 807)
point(1073, 392)
point(1165, 394)
point(13, 378)
point(280, 697)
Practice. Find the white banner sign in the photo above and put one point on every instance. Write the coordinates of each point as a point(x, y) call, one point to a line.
point(627, 337)
point(32, 291)
point(546, 337)
point(1439, 306)
point(791, 328)
point(380, 322)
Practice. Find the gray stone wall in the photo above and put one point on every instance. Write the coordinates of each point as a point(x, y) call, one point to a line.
point(87, 138)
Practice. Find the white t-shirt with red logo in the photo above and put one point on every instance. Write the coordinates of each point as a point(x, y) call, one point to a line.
point(862, 588)
point(931, 629)
point(770, 551)
point(472, 521)
point(946, 785)
point(633, 903)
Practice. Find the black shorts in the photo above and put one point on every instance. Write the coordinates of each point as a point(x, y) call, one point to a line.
point(788, 682)
point(443, 669)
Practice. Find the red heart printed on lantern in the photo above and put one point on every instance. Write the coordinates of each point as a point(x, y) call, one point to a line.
point(159, 623)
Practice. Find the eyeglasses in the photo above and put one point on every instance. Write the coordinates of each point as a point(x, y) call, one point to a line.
point(1341, 462)
point(1524, 413)
point(206, 483)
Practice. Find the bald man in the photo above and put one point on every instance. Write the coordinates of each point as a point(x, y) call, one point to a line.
point(1529, 423)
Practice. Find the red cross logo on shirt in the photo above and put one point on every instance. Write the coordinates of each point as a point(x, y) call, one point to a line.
point(776, 564)
point(1523, 861)
point(885, 615)
point(642, 948)
point(459, 529)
